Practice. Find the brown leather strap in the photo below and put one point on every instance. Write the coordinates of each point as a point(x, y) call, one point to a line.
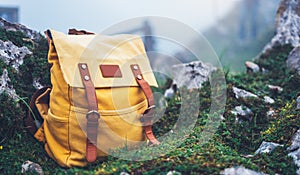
point(93, 114)
point(148, 114)
point(79, 32)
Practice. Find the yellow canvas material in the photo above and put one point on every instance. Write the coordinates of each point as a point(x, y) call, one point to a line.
point(120, 100)
point(122, 50)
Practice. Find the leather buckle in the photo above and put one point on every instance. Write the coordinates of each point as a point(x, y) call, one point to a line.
point(93, 113)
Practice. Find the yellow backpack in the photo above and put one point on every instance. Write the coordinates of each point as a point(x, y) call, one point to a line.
point(100, 97)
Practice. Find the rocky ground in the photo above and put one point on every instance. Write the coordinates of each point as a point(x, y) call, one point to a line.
point(258, 132)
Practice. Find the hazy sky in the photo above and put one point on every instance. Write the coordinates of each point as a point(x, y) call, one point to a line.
point(97, 15)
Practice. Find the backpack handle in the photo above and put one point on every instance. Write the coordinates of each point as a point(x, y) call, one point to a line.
point(79, 32)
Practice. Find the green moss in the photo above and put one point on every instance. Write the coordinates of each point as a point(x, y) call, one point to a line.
point(11, 119)
point(285, 124)
point(277, 162)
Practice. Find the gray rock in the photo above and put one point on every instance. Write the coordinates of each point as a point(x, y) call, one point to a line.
point(288, 22)
point(34, 35)
point(293, 61)
point(31, 167)
point(275, 88)
point(266, 147)
point(13, 55)
point(295, 151)
point(298, 102)
point(270, 113)
point(173, 173)
point(240, 170)
point(295, 142)
point(264, 71)
point(192, 75)
point(242, 112)
point(296, 157)
point(269, 100)
point(243, 94)
point(251, 67)
point(36, 83)
point(171, 91)
point(5, 86)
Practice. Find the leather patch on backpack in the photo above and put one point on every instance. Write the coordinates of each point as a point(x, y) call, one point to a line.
point(110, 71)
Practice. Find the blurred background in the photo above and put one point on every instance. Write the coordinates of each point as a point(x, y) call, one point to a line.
point(236, 29)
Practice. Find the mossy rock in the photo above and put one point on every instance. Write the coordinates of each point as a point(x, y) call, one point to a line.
point(35, 66)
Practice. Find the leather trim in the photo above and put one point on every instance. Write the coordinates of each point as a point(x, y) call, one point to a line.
point(92, 115)
point(79, 32)
point(148, 114)
point(110, 71)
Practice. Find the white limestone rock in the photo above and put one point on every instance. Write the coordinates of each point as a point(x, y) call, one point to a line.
point(192, 75)
point(243, 94)
point(266, 147)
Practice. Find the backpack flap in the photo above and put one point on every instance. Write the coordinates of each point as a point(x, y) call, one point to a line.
point(109, 66)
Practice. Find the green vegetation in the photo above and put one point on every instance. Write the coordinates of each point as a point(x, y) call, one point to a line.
point(227, 148)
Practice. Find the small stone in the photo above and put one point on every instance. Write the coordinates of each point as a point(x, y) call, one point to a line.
point(239, 170)
point(266, 147)
point(171, 91)
point(31, 167)
point(242, 112)
point(222, 118)
point(248, 156)
point(240, 93)
point(36, 84)
point(173, 173)
point(270, 113)
point(275, 88)
point(298, 102)
point(269, 100)
point(252, 67)
point(264, 71)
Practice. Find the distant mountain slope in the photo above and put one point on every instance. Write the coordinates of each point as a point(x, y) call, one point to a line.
point(226, 39)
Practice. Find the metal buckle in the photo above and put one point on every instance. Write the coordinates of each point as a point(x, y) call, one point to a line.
point(146, 116)
point(149, 109)
point(93, 112)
